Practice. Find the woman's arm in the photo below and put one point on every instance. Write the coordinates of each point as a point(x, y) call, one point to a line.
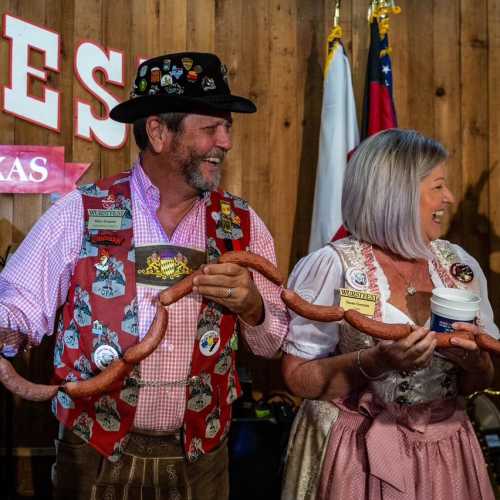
point(337, 376)
point(326, 378)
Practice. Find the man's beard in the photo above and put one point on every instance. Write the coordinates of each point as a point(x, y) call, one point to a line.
point(194, 176)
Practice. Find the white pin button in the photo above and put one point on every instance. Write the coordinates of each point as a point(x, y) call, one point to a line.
point(210, 343)
point(104, 355)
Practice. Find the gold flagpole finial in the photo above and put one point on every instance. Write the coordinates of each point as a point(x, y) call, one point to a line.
point(336, 31)
point(380, 10)
point(395, 9)
point(336, 14)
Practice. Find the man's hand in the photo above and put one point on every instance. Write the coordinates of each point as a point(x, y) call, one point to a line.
point(231, 286)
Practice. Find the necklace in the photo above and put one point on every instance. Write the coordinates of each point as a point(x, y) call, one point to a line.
point(411, 288)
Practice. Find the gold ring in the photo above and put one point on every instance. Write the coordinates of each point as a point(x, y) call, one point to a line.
point(229, 292)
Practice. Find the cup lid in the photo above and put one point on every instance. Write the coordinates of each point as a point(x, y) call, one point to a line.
point(452, 296)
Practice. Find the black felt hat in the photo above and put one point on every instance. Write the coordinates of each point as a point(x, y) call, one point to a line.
point(185, 82)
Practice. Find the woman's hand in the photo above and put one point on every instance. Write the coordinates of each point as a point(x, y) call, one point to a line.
point(467, 354)
point(478, 369)
point(411, 353)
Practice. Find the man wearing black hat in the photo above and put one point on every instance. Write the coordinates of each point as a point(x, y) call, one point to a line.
point(163, 430)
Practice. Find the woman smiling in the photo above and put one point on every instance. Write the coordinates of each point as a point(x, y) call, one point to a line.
point(386, 420)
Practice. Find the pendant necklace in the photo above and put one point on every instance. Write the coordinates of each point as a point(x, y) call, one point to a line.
point(411, 289)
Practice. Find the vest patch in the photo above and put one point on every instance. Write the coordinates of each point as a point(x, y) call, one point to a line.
point(161, 266)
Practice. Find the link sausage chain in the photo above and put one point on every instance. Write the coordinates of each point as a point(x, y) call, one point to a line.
point(120, 368)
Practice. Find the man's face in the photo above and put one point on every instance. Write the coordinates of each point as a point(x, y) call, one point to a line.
point(200, 147)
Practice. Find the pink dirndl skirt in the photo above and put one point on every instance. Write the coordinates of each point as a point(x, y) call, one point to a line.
point(421, 452)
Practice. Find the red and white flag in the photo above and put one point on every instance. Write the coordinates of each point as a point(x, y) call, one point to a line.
point(339, 136)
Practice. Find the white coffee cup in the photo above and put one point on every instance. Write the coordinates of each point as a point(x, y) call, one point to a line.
point(452, 304)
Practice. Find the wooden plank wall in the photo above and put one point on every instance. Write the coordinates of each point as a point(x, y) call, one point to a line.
point(446, 64)
point(445, 69)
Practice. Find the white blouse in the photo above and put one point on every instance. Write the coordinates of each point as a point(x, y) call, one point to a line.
point(315, 278)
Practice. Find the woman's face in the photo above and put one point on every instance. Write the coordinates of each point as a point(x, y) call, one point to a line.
point(435, 198)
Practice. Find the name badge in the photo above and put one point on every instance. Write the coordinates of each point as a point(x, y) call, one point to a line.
point(160, 266)
point(363, 302)
point(100, 218)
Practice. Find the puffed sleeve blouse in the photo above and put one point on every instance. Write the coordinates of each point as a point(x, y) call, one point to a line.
point(315, 278)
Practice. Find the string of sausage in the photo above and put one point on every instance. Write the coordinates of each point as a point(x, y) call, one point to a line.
point(94, 386)
point(120, 368)
point(384, 331)
point(293, 301)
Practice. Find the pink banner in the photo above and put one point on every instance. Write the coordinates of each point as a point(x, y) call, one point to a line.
point(37, 169)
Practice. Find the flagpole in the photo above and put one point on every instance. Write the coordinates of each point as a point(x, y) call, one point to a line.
point(339, 135)
point(379, 111)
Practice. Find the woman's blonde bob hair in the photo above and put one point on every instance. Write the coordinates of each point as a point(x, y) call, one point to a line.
point(381, 192)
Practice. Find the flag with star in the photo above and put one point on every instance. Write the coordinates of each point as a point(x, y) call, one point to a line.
point(339, 135)
point(379, 112)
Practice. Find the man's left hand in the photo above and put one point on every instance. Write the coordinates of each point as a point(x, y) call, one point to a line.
point(231, 286)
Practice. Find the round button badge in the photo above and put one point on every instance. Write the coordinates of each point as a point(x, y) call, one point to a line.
point(357, 278)
point(104, 355)
point(210, 343)
point(462, 272)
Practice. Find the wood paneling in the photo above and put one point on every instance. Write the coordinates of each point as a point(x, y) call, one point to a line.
point(446, 68)
point(446, 89)
point(445, 71)
point(494, 144)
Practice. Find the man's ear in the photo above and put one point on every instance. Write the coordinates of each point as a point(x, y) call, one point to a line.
point(158, 134)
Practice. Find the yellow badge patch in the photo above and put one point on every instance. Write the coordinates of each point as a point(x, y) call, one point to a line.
point(362, 302)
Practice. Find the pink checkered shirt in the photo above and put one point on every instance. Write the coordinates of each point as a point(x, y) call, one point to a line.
point(35, 283)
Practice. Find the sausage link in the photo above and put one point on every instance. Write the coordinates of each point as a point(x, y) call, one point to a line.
point(99, 384)
point(151, 340)
point(255, 262)
point(310, 311)
point(487, 343)
point(179, 290)
point(375, 328)
point(21, 387)
point(386, 331)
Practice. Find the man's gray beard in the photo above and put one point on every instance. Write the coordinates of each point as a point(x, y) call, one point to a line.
point(196, 180)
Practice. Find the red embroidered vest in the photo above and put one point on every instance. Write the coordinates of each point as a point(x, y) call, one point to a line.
point(208, 411)
point(101, 311)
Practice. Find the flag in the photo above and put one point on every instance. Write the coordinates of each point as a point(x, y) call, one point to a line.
point(339, 135)
point(379, 112)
